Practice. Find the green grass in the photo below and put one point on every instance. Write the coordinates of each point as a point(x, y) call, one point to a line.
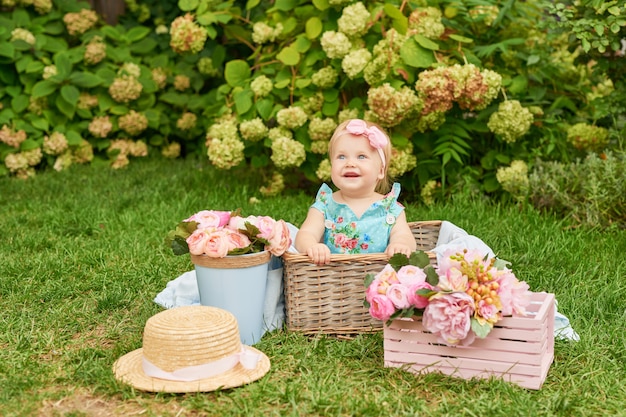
point(82, 256)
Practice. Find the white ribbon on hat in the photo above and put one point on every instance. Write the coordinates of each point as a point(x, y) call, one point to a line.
point(247, 358)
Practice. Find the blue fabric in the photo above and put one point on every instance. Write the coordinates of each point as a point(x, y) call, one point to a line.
point(348, 234)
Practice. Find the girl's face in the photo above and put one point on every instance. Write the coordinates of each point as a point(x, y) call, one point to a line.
point(355, 165)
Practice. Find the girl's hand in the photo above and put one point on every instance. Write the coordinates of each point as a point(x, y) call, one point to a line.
point(394, 248)
point(319, 254)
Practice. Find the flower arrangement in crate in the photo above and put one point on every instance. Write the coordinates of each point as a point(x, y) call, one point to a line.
point(218, 234)
point(463, 298)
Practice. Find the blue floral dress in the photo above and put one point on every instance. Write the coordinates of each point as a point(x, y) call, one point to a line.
point(346, 233)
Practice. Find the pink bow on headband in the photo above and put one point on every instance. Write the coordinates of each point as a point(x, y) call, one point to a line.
point(376, 137)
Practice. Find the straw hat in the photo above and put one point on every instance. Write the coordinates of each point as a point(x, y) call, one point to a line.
point(191, 349)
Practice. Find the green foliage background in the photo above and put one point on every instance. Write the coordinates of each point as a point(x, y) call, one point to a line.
point(549, 61)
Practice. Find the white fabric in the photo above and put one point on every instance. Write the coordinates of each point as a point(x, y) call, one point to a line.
point(183, 290)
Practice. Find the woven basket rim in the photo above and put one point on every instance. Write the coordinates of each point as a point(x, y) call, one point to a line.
point(232, 262)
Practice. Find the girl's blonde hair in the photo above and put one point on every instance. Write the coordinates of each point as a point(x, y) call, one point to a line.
point(383, 185)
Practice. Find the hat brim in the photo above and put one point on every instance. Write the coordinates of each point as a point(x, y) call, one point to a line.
point(129, 369)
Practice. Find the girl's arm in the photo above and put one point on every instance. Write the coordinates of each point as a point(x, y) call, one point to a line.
point(309, 238)
point(401, 238)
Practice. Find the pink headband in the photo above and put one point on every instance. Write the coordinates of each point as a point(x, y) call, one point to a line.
point(376, 137)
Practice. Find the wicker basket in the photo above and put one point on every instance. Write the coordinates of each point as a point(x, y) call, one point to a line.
point(328, 299)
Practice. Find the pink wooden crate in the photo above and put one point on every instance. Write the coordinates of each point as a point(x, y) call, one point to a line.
point(518, 349)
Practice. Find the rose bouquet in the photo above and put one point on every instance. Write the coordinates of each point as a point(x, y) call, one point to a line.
point(220, 233)
point(462, 299)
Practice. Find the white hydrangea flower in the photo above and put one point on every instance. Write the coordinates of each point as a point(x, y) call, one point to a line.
point(355, 62)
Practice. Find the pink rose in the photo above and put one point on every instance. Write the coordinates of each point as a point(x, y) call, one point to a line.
point(281, 238)
point(381, 307)
point(340, 239)
point(399, 296)
point(411, 274)
point(415, 300)
point(266, 227)
point(237, 240)
point(238, 222)
point(197, 241)
point(388, 274)
point(514, 294)
point(376, 287)
point(488, 312)
point(453, 280)
point(216, 246)
point(448, 315)
point(210, 218)
point(351, 243)
point(364, 246)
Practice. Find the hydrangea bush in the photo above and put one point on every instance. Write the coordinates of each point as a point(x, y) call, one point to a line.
point(466, 90)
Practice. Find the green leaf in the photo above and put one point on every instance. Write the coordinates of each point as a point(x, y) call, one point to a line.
point(111, 32)
point(426, 43)
point(501, 264)
point(285, 5)
point(289, 56)
point(188, 5)
point(392, 11)
point(301, 44)
point(20, 103)
point(154, 117)
point(313, 27)
point(207, 19)
point(63, 64)
point(54, 44)
point(179, 246)
point(7, 50)
point(302, 83)
point(251, 4)
point(481, 330)
point(419, 258)
point(66, 108)
point(70, 94)
point(34, 66)
point(533, 59)
point(330, 108)
point(321, 4)
point(237, 72)
point(599, 28)
point(44, 88)
point(398, 260)
point(518, 84)
point(243, 101)
point(137, 33)
point(431, 275)
point(73, 138)
point(119, 110)
point(41, 124)
point(461, 39)
point(23, 62)
point(174, 98)
point(85, 79)
point(144, 46)
point(29, 145)
point(415, 55)
point(264, 108)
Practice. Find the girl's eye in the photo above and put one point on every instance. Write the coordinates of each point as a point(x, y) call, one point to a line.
point(341, 157)
point(362, 156)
